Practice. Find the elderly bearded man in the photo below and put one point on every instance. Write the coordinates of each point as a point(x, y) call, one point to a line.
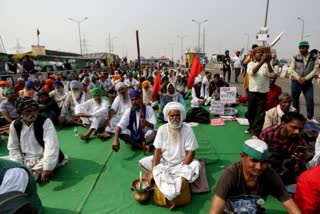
point(39, 149)
point(135, 122)
point(243, 186)
point(120, 104)
point(173, 158)
point(93, 112)
point(75, 97)
point(58, 94)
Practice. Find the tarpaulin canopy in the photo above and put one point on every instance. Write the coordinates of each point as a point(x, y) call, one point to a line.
point(22, 55)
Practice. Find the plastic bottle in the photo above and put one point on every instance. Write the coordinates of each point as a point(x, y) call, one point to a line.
point(75, 130)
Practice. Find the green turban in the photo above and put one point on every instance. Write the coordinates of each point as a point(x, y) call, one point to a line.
point(304, 44)
point(96, 91)
point(7, 91)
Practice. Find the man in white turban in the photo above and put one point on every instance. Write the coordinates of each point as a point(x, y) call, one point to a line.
point(173, 158)
point(120, 104)
point(198, 95)
point(74, 97)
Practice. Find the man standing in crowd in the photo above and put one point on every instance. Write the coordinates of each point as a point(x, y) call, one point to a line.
point(243, 186)
point(237, 65)
point(28, 65)
point(226, 66)
point(303, 68)
point(137, 124)
point(259, 72)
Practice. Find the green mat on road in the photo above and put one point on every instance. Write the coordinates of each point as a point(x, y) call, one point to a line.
point(72, 183)
point(218, 146)
point(98, 180)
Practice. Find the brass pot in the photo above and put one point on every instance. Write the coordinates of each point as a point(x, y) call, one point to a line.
point(141, 193)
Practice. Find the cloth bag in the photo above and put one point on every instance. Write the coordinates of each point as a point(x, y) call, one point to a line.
point(183, 199)
point(201, 184)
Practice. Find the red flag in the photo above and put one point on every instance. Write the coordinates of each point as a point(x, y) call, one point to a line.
point(156, 87)
point(196, 68)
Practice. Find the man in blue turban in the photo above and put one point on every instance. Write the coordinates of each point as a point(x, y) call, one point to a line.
point(136, 125)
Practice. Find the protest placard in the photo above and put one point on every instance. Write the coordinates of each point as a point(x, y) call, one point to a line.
point(217, 107)
point(228, 94)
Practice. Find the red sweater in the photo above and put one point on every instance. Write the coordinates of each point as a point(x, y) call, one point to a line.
point(307, 196)
point(273, 94)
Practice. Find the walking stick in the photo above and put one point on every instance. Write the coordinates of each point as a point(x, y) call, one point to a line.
point(140, 88)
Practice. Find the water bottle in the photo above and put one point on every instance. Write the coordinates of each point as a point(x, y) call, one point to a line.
point(75, 130)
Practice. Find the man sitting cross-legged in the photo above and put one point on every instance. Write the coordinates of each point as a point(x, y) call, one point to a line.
point(33, 141)
point(136, 125)
point(120, 104)
point(74, 97)
point(93, 112)
point(173, 158)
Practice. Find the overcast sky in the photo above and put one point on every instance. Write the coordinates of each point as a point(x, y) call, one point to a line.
point(159, 22)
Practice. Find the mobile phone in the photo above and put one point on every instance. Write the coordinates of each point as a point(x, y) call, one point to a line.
point(301, 149)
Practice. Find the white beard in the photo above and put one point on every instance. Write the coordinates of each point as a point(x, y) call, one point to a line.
point(59, 91)
point(124, 98)
point(75, 96)
point(174, 135)
point(174, 124)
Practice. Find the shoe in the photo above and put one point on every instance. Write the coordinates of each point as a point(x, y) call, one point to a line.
point(313, 120)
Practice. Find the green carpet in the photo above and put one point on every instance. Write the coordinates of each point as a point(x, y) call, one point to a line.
point(97, 180)
point(72, 183)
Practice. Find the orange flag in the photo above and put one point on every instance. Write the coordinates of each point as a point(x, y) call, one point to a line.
point(196, 68)
point(156, 86)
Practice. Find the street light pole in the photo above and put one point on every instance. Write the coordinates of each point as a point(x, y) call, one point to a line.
point(199, 24)
point(79, 22)
point(112, 46)
point(181, 37)
point(266, 18)
point(302, 31)
point(171, 44)
point(248, 38)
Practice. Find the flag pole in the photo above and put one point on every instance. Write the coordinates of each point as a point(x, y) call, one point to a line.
point(38, 35)
point(140, 87)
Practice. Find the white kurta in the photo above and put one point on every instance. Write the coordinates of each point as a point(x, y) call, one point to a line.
point(29, 152)
point(59, 98)
point(167, 174)
point(133, 83)
point(15, 179)
point(150, 117)
point(99, 113)
point(119, 107)
point(316, 159)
